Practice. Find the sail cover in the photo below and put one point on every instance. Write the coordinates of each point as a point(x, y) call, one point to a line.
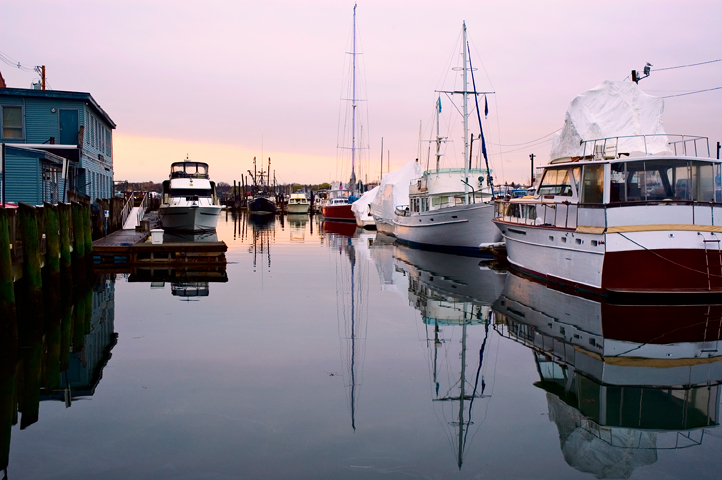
point(394, 190)
point(612, 109)
point(360, 206)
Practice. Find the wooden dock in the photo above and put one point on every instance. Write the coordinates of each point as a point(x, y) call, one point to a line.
point(132, 248)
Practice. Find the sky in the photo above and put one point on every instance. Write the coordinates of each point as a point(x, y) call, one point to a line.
point(225, 81)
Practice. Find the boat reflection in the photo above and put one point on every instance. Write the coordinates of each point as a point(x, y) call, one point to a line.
point(297, 226)
point(622, 381)
point(346, 229)
point(263, 231)
point(454, 295)
point(60, 358)
point(185, 283)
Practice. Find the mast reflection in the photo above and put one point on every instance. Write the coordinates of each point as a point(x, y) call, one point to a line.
point(622, 381)
point(454, 295)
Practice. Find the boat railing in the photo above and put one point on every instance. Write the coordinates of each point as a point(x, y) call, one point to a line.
point(608, 148)
point(129, 204)
point(569, 215)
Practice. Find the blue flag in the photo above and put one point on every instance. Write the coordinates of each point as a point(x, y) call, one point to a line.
point(438, 104)
point(486, 107)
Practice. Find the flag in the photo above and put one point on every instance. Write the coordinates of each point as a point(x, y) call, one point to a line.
point(438, 104)
point(486, 107)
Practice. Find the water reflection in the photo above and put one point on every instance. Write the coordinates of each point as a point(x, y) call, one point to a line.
point(352, 286)
point(60, 358)
point(454, 295)
point(185, 283)
point(622, 381)
point(263, 231)
point(297, 227)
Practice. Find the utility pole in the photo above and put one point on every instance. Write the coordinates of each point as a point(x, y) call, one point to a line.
point(43, 75)
point(531, 156)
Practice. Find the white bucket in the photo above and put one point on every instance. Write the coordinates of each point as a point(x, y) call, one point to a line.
point(156, 236)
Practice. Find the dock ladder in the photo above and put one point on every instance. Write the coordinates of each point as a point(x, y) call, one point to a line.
point(707, 253)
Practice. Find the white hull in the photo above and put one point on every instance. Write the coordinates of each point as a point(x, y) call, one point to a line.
point(298, 208)
point(189, 218)
point(462, 227)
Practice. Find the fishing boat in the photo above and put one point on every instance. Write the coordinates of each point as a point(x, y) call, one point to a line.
point(298, 204)
point(189, 202)
point(452, 209)
point(263, 201)
point(633, 211)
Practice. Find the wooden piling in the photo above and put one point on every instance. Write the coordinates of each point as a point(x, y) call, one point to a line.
point(32, 281)
point(64, 220)
point(51, 271)
point(78, 244)
point(8, 341)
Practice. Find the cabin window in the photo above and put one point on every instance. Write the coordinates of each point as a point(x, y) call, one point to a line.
point(12, 122)
point(556, 182)
point(593, 184)
point(664, 180)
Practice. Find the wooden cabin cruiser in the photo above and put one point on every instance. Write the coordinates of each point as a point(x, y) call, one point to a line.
point(189, 202)
point(298, 203)
point(609, 221)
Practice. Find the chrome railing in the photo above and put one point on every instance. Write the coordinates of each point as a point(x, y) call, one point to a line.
point(681, 142)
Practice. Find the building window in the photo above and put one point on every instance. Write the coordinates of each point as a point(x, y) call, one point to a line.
point(12, 122)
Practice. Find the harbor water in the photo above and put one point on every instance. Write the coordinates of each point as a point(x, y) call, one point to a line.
point(323, 351)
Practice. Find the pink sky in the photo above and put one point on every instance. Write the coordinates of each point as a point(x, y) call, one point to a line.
point(212, 79)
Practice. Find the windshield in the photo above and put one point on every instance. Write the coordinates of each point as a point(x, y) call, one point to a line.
point(677, 180)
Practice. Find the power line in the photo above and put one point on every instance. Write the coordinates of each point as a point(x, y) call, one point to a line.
point(525, 143)
point(690, 93)
point(684, 66)
point(9, 61)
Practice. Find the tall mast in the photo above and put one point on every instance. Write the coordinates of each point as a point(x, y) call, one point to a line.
point(438, 138)
point(466, 117)
point(353, 108)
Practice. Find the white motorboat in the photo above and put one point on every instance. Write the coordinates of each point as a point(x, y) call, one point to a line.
point(623, 214)
point(189, 202)
point(451, 209)
point(298, 204)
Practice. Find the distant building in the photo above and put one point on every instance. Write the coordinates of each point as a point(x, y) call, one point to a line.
point(55, 142)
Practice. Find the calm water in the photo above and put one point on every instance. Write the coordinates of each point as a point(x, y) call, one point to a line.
point(318, 355)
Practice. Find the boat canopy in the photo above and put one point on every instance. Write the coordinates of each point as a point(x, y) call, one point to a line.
point(617, 110)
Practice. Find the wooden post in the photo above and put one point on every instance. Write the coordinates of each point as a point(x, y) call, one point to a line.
point(88, 235)
point(8, 341)
point(8, 323)
point(32, 276)
point(51, 272)
point(64, 220)
point(78, 244)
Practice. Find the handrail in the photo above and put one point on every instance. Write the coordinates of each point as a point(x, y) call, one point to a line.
point(126, 209)
point(683, 140)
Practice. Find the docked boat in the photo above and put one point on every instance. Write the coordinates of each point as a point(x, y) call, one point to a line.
point(393, 192)
point(298, 204)
point(451, 209)
point(263, 201)
point(621, 213)
point(189, 202)
point(338, 205)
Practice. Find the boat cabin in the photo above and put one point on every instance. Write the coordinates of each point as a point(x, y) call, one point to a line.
point(445, 187)
point(602, 182)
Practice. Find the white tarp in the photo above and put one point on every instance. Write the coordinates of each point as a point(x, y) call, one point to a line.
point(394, 190)
point(612, 109)
point(360, 207)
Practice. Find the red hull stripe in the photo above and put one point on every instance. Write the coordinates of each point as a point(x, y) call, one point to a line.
point(339, 212)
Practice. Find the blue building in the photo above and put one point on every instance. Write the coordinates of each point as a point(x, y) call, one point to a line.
point(55, 142)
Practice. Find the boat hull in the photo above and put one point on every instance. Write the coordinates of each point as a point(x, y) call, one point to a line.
point(458, 229)
point(189, 218)
point(261, 206)
point(657, 262)
point(297, 208)
point(339, 213)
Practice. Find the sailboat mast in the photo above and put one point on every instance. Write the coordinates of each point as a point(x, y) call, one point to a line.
point(353, 106)
point(466, 117)
point(438, 138)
